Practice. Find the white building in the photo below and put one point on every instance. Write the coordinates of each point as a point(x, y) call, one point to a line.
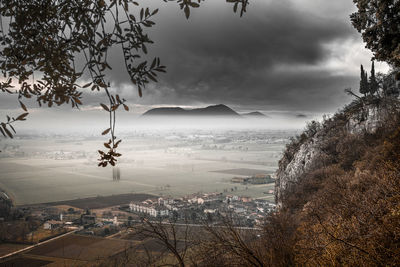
point(154, 211)
point(210, 211)
point(50, 225)
point(200, 201)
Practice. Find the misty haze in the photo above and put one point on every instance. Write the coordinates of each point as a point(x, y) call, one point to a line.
point(171, 156)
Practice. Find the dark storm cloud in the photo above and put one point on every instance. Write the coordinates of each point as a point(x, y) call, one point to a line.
point(274, 58)
point(261, 60)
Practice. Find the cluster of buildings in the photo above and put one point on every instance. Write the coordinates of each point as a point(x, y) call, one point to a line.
point(198, 207)
point(193, 209)
point(79, 221)
point(65, 155)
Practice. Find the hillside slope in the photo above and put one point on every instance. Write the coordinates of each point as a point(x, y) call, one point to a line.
point(321, 144)
point(338, 188)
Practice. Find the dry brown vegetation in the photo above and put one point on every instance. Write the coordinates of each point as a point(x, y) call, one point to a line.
point(347, 208)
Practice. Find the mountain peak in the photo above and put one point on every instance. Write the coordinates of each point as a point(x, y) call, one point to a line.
point(215, 110)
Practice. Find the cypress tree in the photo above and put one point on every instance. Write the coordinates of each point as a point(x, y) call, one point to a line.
point(363, 82)
point(373, 84)
point(366, 84)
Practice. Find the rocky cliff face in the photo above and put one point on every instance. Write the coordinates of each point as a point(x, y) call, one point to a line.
point(290, 170)
point(308, 151)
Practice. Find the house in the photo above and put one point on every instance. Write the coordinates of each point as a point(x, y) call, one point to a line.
point(210, 211)
point(239, 180)
point(246, 199)
point(240, 209)
point(4, 196)
point(153, 210)
point(200, 201)
point(230, 198)
point(88, 219)
point(52, 224)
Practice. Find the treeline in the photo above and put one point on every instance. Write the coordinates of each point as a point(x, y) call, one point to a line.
point(377, 85)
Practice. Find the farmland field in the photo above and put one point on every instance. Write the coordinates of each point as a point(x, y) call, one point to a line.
point(102, 201)
point(85, 248)
point(6, 248)
point(70, 250)
point(25, 261)
point(173, 163)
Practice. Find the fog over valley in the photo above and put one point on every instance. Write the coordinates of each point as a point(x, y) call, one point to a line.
point(162, 155)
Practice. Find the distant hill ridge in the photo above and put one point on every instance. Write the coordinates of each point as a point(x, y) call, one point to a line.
point(216, 110)
point(254, 114)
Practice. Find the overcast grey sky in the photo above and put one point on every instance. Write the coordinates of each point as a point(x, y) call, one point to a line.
point(283, 56)
point(295, 55)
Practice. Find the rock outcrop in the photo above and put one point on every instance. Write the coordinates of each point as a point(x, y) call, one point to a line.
point(290, 170)
point(306, 152)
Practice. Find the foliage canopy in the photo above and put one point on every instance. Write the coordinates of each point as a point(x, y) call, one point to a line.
point(379, 23)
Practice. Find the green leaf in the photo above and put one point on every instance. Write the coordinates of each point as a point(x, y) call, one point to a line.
point(7, 132)
point(154, 12)
point(153, 64)
point(21, 117)
point(106, 131)
point(187, 11)
point(23, 106)
point(105, 107)
point(87, 85)
point(2, 132)
point(151, 77)
point(12, 128)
